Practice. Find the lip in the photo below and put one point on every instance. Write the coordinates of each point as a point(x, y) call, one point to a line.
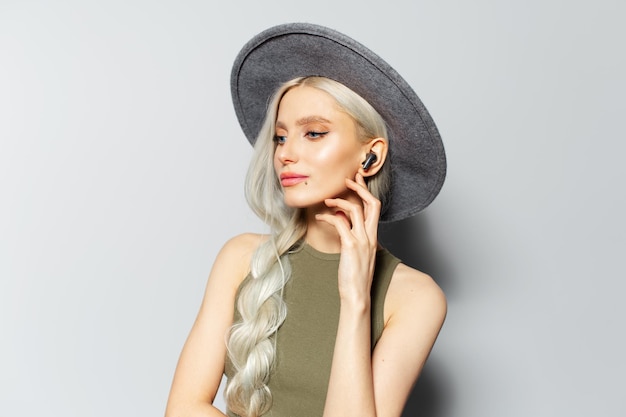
point(288, 179)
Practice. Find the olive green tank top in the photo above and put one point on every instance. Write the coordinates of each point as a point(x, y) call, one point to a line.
point(306, 340)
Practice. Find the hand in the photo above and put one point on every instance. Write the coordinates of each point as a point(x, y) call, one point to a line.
point(358, 232)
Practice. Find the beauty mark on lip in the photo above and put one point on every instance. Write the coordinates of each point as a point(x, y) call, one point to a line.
point(288, 179)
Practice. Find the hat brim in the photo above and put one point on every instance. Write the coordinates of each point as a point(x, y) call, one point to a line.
point(293, 50)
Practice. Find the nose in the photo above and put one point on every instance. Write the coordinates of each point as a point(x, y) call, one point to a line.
point(287, 152)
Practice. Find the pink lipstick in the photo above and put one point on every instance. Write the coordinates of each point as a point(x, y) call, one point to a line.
point(287, 179)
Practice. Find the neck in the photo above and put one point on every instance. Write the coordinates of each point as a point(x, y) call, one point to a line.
point(321, 235)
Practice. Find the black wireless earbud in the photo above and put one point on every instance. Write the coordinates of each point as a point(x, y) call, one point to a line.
point(369, 160)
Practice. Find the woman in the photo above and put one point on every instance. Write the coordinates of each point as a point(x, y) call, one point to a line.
point(316, 318)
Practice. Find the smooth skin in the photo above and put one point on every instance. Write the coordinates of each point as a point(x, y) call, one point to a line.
point(318, 141)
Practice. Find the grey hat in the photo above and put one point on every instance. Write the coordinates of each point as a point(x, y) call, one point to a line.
point(284, 52)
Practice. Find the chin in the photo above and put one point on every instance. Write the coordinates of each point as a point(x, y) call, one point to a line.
point(309, 198)
point(301, 204)
point(303, 201)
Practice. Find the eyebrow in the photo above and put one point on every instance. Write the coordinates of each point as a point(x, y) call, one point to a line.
point(304, 121)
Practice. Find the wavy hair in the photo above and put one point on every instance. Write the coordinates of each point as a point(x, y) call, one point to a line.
point(251, 341)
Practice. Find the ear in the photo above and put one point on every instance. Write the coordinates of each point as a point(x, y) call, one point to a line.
point(379, 147)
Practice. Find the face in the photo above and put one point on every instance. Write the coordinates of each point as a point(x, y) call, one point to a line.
point(317, 147)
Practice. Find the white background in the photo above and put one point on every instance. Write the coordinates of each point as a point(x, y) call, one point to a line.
point(121, 172)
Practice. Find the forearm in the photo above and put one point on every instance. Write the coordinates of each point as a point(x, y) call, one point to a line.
point(350, 388)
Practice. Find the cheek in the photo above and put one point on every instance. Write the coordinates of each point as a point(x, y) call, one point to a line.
point(277, 164)
point(340, 160)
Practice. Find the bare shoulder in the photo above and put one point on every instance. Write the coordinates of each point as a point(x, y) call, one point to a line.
point(236, 254)
point(413, 293)
point(243, 245)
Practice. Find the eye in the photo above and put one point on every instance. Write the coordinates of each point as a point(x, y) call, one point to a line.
point(280, 139)
point(315, 135)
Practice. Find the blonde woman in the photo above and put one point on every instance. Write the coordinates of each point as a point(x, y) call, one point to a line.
point(316, 318)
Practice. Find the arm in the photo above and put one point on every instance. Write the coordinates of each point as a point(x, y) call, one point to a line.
point(362, 384)
point(379, 384)
point(415, 309)
point(201, 363)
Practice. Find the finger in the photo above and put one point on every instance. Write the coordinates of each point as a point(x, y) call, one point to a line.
point(371, 205)
point(360, 187)
point(341, 225)
point(353, 211)
point(359, 179)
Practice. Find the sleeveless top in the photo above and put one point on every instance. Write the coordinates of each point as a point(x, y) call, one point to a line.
point(305, 342)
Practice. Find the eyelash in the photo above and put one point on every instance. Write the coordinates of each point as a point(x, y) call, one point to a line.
point(315, 135)
point(310, 134)
point(279, 139)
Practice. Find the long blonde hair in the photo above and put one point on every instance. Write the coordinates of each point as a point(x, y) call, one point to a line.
point(251, 341)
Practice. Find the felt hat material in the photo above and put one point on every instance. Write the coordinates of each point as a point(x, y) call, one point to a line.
point(288, 51)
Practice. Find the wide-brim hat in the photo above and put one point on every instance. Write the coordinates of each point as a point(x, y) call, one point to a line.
point(288, 51)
